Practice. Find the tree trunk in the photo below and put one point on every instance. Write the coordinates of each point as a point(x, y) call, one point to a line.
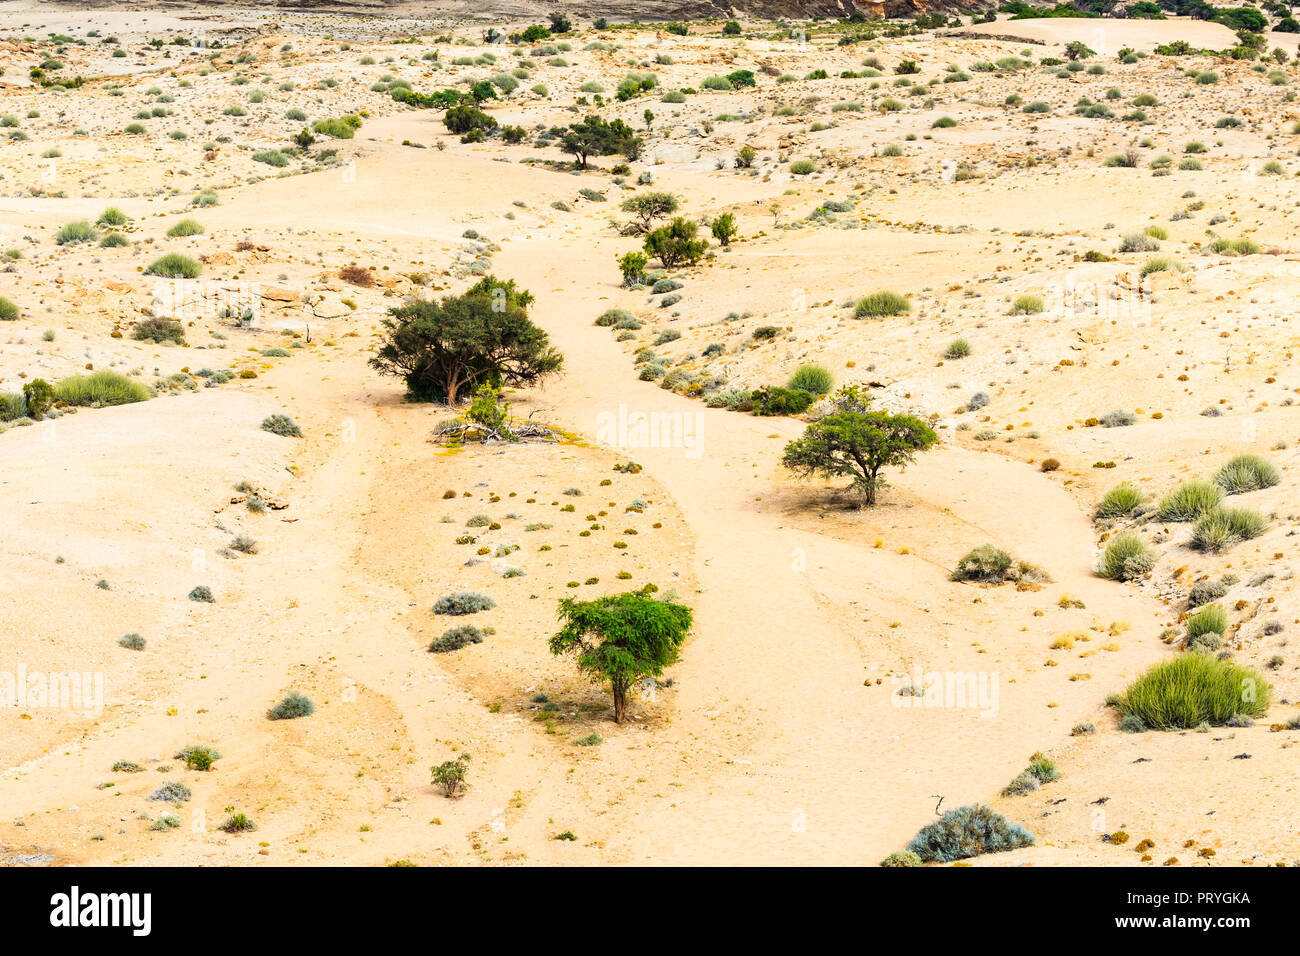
point(620, 703)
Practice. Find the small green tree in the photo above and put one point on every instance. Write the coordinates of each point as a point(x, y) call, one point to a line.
point(1078, 50)
point(724, 228)
point(647, 207)
point(620, 638)
point(633, 266)
point(676, 244)
point(856, 443)
point(745, 156)
point(450, 775)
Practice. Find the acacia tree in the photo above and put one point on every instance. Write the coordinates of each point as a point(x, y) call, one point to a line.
point(856, 443)
point(595, 136)
point(647, 207)
point(620, 638)
point(483, 337)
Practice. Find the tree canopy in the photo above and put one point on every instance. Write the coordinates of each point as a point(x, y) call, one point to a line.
point(595, 136)
point(647, 207)
point(856, 443)
point(481, 337)
point(620, 638)
point(675, 244)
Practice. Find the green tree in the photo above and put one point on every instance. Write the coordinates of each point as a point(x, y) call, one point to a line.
point(856, 444)
point(595, 136)
point(731, 28)
point(745, 157)
point(621, 638)
point(481, 337)
point(463, 119)
point(450, 775)
point(647, 207)
point(633, 266)
point(724, 228)
point(676, 244)
point(1078, 50)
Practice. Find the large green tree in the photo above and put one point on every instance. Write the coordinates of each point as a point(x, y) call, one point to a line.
point(483, 337)
point(856, 443)
point(620, 638)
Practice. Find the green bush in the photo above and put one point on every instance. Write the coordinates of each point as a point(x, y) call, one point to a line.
point(901, 858)
point(292, 706)
point(344, 128)
point(1247, 473)
point(984, 563)
point(157, 329)
point(463, 602)
point(1119, 501)
point(39, 396)
point(1189, 501)
point(272, 157)
point(1222, 528)
point(99, 388)
point(1190, 689)
point(186, 227)
point(813, 379)
point(456, 638)
point(8, 311)
point(12, 406)
point(114, 240)
point(774, 400)
point(174, 266)
point(1127, 557)
point(957, 349)
point(1027, 305)
point(281, 425)
point(112, 216)
point(76, 232)
point(1207, 619)
point(966, 832)
point(615, 318)
point(883, 303)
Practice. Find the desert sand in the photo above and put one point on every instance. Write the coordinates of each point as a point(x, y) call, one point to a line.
point(781, 737)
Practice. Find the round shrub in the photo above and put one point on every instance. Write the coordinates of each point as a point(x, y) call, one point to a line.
point(1190, 689)
point(1127, 557)
point(456, 638)
point(463, 602)
point(1189, 501)
point(1119, 501)
point(883, 303)
point(966, 832)
point(174, 266)
point(281, 425)
point(292, 706)
point(1247, 473)
point(813, 379)
point(186, 227)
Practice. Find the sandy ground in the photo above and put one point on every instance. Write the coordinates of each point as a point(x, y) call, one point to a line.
point(781, 738)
